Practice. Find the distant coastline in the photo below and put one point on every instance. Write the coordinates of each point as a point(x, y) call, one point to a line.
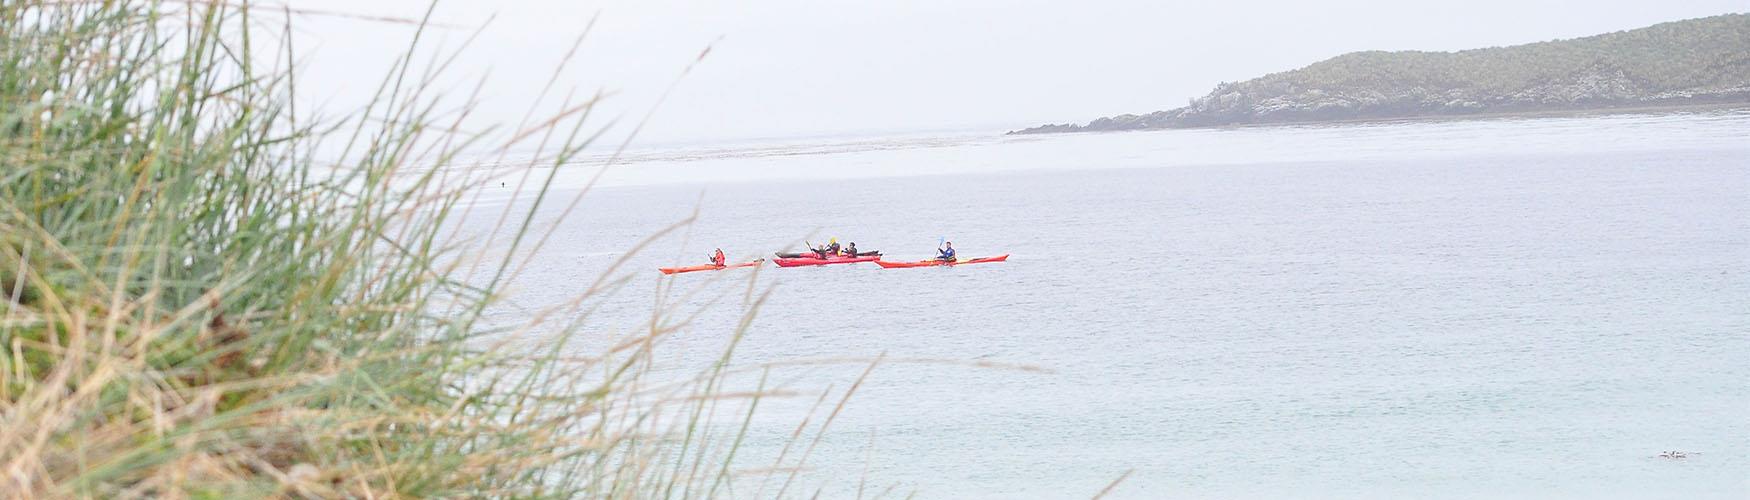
point(1494, 115)
point(1694, 64)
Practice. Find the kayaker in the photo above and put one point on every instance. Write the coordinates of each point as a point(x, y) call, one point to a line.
point(717, 258)
point(947, 252)
point(832, 247)
point(851, 250)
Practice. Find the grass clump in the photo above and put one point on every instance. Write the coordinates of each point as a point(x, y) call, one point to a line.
point(194, 306)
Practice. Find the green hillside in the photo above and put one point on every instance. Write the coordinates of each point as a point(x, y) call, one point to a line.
point(1698, 61)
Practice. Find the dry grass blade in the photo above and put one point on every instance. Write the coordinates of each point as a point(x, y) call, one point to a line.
point(1113, 485)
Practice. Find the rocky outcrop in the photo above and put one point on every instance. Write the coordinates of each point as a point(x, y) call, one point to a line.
point(1700, 61)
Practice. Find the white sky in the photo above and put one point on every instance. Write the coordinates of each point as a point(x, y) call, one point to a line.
point(824, 67)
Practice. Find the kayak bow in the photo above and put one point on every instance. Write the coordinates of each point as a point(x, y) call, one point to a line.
point(932, 263)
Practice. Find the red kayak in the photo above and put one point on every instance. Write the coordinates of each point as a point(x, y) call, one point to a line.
point(707, 267)
point(930, 263)
point(817, 261)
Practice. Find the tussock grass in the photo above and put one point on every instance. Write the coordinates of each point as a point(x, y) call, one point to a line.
point(195, 305)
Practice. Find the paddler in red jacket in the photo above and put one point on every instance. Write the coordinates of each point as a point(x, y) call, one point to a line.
point(717, 258)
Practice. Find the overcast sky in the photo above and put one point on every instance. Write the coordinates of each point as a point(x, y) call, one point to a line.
point(826, 68)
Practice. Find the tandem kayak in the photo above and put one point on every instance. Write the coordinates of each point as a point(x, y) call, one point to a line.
point(817, 261)
point(931, 263)
point(707, 267)
point(795, 255)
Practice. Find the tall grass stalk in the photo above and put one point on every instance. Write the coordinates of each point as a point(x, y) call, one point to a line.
point(197, 304)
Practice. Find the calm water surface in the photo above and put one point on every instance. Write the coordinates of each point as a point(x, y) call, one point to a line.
point(1504, 309)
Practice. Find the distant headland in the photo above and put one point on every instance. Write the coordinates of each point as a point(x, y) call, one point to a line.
point(1702, 61)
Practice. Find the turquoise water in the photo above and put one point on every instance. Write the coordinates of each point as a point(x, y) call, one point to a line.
point(1505, 309)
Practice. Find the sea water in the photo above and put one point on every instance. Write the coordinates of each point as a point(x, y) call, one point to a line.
point(1514, 308)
